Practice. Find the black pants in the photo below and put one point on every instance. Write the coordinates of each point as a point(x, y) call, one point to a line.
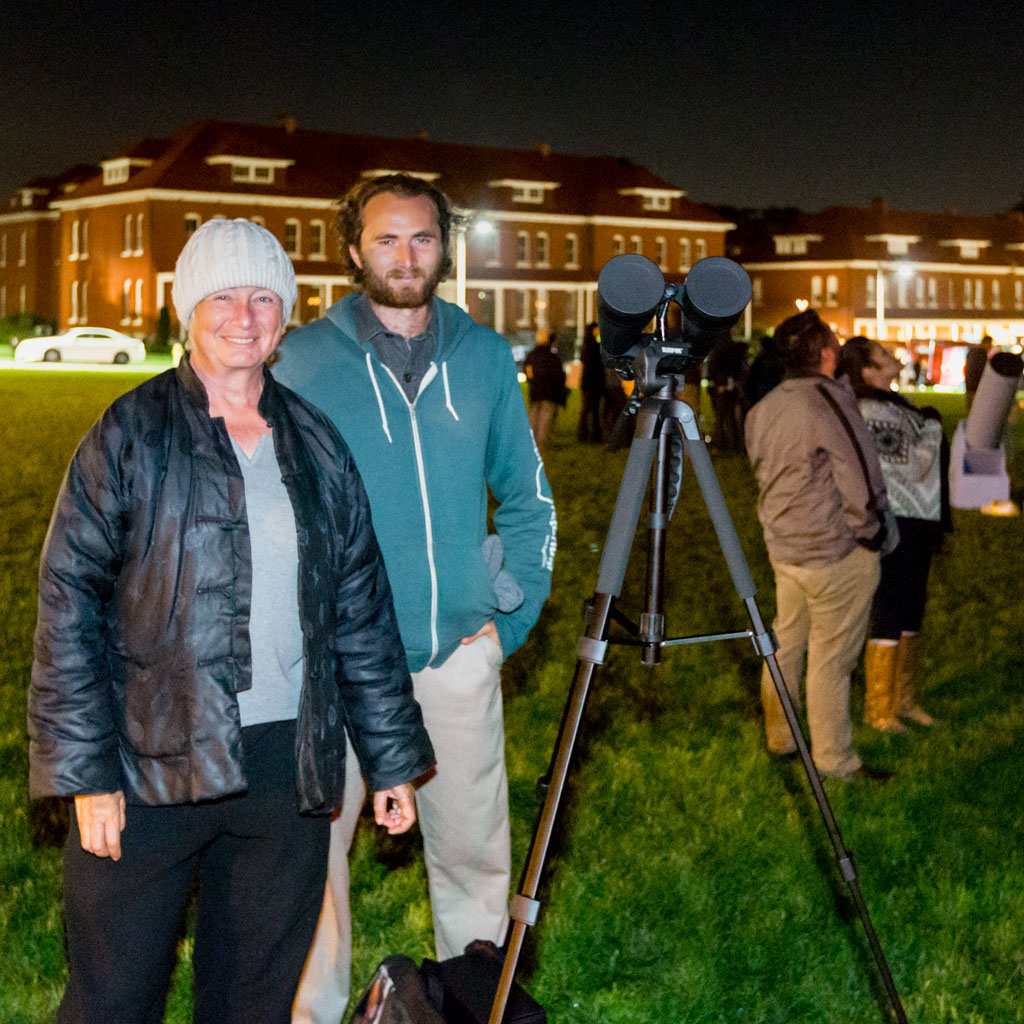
point(899, 601)
point(261, 868)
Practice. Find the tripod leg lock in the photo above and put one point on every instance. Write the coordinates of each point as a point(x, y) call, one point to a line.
point(589, 649)
point(765, 643)
point(848, 868)
point(524, 910)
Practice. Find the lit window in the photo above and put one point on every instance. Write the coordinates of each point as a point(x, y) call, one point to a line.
point(316, 239)
point(543, 249)
point(933, 293)
point(979, 294)
point(870, 291)
point(700, 248)
point(23, 249)
point(138, 235)
point(832, 290)
point(291, 237)
point(257, 219)
point(684, 254)
point(192, 222)
point(527, 194)
point(128, 225)
point(73, 319)
point(572, 251)
point(618, 245)
point(968, 294)
point(995, 295)
point(522, 248)
point(73, 255)
point(262, 173)
point(659, 253)
point(636, 245)
point(83, 305)
point(84, 252)
point(816, 293)
point(919, 292)
point(656, 202)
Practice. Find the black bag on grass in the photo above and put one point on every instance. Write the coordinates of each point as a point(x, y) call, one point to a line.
point(456, 991)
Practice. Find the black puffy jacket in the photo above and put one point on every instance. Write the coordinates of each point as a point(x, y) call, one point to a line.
point(144, 589)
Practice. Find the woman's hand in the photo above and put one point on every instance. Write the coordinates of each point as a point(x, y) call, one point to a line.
point(394, 808)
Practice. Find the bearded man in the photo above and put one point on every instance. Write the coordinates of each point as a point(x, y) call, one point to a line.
point(429, 403)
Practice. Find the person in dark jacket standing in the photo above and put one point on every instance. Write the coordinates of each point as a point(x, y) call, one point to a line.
point(545, 383)
point(213, 615)
point(591, 387)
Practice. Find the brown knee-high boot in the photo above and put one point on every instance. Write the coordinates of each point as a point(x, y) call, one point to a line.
point(880, 695)
point(907, 655)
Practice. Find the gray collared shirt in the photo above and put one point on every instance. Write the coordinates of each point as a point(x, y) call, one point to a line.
point(407, 358)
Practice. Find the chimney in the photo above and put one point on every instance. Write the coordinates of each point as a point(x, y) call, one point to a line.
point(544, 148)
point(287, 122)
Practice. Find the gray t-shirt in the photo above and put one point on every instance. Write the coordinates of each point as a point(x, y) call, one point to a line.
point(407, 358)
point(274, 630)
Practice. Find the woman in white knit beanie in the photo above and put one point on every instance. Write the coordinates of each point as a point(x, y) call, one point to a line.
point(213, 613)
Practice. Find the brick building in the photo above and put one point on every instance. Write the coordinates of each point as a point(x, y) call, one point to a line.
point(102, 250)
point(915, 280)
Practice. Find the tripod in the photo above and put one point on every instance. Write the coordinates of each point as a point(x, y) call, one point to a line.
point(661, 421)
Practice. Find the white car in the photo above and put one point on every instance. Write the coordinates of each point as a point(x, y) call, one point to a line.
point(82, 345)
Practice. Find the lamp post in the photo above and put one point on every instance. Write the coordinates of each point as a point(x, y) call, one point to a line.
point(462, 219)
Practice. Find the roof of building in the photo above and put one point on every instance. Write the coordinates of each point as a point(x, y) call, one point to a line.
point(315, 164)
point(879, 232)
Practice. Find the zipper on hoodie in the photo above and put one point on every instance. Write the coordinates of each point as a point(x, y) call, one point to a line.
point(422, 475)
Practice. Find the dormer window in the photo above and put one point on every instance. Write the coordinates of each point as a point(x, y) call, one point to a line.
point(895, 245)
point(251, 170)
point(117, 171)
point(525, 191)
point(970, 248)
point(793, 245)
point(654, 200)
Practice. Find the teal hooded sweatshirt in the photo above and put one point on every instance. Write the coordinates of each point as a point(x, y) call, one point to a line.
point(427, 466)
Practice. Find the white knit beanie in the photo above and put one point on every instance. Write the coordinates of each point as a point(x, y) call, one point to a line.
point(231, 254)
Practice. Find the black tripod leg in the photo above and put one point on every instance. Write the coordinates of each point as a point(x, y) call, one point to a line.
point(765, 644)
point(591, 653)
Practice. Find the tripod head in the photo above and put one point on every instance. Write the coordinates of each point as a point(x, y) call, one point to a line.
point(631, 290)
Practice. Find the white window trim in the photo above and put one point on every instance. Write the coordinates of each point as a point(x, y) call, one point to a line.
point(572, 240)
point(321, 253)
point(618, 245)
point(139, 282)
point(128, 229)
point(542, 243)
point(126, 302)
point(660, 244)
point(296, 254)
point(139, 248)
point(520, 237)
point(73, 319)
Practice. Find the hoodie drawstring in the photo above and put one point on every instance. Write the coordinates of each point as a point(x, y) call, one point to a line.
point(380, 400)
point(448, 393)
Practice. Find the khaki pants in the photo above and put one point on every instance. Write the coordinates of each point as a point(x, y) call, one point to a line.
point(462, 813)
point(822, 612)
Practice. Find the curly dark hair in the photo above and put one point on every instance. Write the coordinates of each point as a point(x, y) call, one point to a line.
point(406, 186)
point(799, 342)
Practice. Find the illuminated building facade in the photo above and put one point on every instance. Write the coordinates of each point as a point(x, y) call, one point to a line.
point(540, 227)
point(911, 279)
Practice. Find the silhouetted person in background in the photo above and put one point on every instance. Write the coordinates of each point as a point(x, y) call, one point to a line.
point(591, 387)
point(545, 378)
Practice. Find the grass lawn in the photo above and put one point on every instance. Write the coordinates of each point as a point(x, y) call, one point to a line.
point(691, 879)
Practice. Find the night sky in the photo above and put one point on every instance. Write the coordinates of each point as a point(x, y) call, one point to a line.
point(750, 104)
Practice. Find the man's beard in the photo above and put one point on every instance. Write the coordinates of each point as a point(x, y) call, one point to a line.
point(412, 290)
